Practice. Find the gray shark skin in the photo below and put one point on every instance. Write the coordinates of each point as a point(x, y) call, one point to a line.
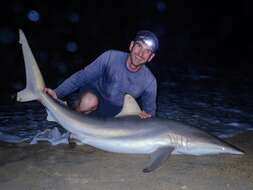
point(156, 137)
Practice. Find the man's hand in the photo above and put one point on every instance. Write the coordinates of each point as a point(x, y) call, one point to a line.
point(50, 92)
point(144, 115)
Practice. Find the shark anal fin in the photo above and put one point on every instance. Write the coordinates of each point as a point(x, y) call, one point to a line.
point(158, 157)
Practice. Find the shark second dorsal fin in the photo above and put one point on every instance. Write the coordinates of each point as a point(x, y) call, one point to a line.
point(130, 107)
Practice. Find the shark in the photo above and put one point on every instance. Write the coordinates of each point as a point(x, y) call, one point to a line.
point(127, 133)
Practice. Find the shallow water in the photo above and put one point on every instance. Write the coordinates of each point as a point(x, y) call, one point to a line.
point(209, 102)
point(221, 106)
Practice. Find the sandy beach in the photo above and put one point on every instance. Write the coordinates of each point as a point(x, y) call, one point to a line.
point(47, 167)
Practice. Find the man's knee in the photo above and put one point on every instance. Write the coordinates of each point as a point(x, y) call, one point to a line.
point(88, 102)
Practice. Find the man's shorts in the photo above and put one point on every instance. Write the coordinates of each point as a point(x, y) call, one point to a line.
point(105, 108)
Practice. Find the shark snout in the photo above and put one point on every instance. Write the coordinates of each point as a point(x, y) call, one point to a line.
point(231, 150)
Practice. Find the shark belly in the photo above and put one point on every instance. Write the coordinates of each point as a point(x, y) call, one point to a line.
point(122, 145)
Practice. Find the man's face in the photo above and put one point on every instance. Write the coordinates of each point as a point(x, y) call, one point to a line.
point(140, 53)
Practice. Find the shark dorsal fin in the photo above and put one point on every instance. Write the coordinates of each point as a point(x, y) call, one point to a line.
point(130, 107)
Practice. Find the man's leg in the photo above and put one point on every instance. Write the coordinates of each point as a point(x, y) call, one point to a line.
point(90, 101)
point(106, 109)
point(87, 103)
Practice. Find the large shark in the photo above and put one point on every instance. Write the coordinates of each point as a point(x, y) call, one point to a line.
point(127, 133)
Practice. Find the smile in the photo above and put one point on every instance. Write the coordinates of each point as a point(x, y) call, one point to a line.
point(139, 58)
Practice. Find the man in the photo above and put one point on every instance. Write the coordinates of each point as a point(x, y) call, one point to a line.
point(112, 75)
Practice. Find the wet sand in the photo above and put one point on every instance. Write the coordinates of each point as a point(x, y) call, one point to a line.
point(47, 167)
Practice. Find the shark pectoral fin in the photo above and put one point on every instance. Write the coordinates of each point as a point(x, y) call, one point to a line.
point(158, 157)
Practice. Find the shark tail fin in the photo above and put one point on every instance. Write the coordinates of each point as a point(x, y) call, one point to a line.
point(34, 80)
point(26, 95)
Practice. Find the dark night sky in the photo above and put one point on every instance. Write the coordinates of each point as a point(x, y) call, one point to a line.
point(66, 36)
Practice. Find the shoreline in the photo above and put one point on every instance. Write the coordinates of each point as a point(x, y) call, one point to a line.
point(43, 166)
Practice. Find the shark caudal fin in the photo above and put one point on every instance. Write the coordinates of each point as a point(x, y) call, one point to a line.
point(34, 80)
point(130, 107)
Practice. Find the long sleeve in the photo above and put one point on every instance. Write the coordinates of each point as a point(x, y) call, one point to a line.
point(84, 76)
point(148, 98)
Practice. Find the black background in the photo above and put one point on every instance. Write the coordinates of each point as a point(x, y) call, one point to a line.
point(193, 34)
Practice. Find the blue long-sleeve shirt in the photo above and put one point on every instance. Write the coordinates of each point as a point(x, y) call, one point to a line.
point(111, 77)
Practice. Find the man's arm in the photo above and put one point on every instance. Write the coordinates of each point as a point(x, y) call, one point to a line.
point(87, 75)
point(148, 100)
